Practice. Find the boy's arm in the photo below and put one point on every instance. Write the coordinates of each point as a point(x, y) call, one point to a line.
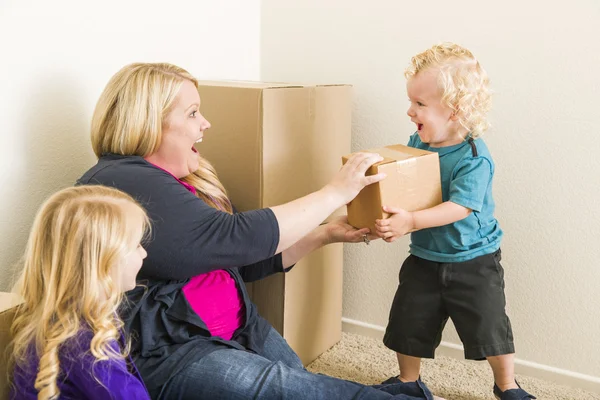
point(402, 222)
point(440, 215)
point(466, 194)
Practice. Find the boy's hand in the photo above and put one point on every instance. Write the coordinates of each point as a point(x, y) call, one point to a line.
point(396, 225)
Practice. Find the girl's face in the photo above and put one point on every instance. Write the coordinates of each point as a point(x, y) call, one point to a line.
point(126, 272)
point(131, 267)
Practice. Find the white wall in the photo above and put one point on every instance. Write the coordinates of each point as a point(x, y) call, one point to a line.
point(543, 61)
point(56, 57)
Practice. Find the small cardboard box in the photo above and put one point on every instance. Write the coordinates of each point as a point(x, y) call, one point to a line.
point(413, 183)
point(8, 302)
point(272, 143)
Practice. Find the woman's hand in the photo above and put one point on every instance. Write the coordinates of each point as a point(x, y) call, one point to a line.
point(351, 179)
point(299, 217)
point(339, 230)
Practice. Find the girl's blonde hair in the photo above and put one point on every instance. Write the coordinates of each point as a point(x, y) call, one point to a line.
point(79, 236)
point(130, 115)
point(463, 82)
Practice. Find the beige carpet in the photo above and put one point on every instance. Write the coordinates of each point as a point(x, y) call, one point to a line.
point(367, 361)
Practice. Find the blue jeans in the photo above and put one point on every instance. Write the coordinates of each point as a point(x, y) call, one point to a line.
point(277, 373)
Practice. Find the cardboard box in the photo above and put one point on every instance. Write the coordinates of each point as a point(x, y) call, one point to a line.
point(8, 302)
point(413, 183)
point(271, 143)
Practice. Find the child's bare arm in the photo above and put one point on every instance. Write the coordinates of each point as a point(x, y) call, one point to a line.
point(402, 222)
point(440, 215)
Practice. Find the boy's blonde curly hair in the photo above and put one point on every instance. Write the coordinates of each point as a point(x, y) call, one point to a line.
point(463, 82)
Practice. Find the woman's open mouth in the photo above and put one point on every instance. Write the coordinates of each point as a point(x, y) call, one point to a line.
point(197, 141)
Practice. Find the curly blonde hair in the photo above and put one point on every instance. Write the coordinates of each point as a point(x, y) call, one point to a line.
point(79, 236)
point(129, 117)
point(464, 84)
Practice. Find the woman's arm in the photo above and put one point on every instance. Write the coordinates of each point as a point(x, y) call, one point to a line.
point(299, 217)
point(283, 262)
point(190, 238)
point(336, 231)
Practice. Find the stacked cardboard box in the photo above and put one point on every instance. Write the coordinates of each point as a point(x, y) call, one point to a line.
point(272, 143)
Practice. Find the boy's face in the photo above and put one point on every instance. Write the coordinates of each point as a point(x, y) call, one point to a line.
point(436, 125)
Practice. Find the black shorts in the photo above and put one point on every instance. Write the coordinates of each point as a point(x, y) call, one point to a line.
point(471, 293)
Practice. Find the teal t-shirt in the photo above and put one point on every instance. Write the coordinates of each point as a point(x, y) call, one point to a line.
point(467, 181)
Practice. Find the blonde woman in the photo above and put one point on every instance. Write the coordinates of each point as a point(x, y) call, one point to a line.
point(83, 252)
point(198, 335)
point(454, 268)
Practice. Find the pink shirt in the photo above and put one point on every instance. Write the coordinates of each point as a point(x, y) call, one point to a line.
point(215, 297)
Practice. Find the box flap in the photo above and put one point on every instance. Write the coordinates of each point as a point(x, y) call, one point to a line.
point(392, 153)
point(248, 84)
point(262, 85)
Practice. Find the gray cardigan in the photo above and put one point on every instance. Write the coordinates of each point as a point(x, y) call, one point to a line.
point(188, 238)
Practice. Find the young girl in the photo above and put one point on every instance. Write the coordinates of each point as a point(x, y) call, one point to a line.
point(453, 270)
point(83, 252)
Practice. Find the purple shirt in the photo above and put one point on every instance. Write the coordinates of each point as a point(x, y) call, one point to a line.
point(119, 379)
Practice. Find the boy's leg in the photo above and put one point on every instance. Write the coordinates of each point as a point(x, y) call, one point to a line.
point(410, 367)
point(504, 371)
point(476, 303)
point(417, 316)
point(475, 300)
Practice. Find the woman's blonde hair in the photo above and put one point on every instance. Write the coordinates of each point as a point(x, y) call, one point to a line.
point(79, 236)
point(463, 82)
point(130, 115)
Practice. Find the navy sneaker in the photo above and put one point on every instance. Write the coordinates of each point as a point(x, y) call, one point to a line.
point(395, 386)
point(512, 394)
point(393, 379)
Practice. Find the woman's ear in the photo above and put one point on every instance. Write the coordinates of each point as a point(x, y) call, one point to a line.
point(454, 117)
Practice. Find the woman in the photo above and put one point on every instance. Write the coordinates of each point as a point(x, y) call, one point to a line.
point(197, 334)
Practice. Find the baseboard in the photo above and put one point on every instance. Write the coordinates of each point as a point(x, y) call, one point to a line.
point(522, 367)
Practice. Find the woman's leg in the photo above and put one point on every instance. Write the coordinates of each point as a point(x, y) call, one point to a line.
point(232, 374)
point(276, 348)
